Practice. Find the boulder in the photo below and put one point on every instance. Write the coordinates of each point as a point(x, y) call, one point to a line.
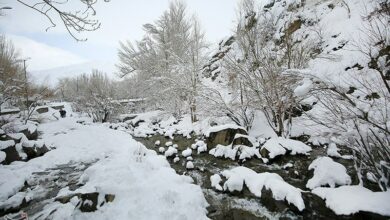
point(240, 139)
point(34, 149)
point(8, 147)
point(41, 110)
point(264, 153)
point(17, 137)
point(224, 136)
point(30, 131)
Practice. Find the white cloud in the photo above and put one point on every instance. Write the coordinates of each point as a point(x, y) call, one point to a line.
point(120, 19)
point(42, 55)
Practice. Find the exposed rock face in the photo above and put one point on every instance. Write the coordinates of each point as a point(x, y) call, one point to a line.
point(224, 137)
point(212, 68)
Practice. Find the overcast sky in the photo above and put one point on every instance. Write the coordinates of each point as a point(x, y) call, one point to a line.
point(120, 19)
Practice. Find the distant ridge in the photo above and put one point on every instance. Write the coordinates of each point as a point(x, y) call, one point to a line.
point(51, 76)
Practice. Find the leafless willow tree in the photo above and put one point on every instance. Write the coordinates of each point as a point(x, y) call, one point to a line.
point(75, 22)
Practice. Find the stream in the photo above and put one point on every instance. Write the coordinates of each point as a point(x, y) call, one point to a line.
point(244, 205)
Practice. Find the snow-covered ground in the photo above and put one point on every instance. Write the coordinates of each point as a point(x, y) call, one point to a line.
point(144, 185)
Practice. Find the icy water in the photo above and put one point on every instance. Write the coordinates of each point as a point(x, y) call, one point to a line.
point(244, 205)
point(44, 186)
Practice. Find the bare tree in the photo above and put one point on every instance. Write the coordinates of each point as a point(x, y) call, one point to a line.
point(357, 109)
point(75, 22)
point(11, 77)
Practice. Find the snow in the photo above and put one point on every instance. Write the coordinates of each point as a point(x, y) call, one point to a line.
point(144, 185)
point(287, 165)
point(222, 127)
point(161, 149)
point(200, 146)
point(187, 152)
point(224, 151)
point(278, 146)
point(246, 152)
point(255, 182)
point(327, 172)
point(170, 152)
point(189, 158)
point(260, 127)
point(6, 144)
point(157, 143)
point(333, 151)
point(176, 159)
point(190, 165)
point(2, 156)
point(304, 88)
point(231, 152)
point(30, 127)
point(346, 200)
point(168, 143)
point(215, 180)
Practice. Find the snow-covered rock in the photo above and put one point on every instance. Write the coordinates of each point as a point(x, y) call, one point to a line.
point(176, 159)
point(333, 151)
point(6, 144)
point(255, 182)
point(346, 200)
point(190, 165)
point(231, 152)
point(187, 152)
point(168, 143)
point(161, 149)
point(200, 146)
point(224, 151)
point(157, 143)
point(215, 180)
point(2, 156)
point(327, 172)
point(223, 134)
point(189, 158)
point(170, 152)
point(279, 146)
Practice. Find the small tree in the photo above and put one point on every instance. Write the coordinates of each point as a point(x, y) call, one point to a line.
point(167, 61)
point(260, 66)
